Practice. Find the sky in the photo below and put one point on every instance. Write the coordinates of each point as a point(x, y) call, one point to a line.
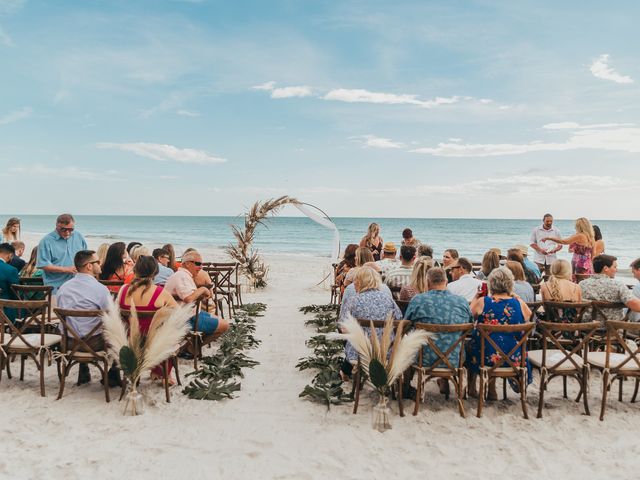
point(474, 109)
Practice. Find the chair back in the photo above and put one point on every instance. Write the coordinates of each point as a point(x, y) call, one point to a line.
point(463, 330)
point(31, 281)
point(581, 276)
point(111, 285)
point(395, 291)
point(555, 336)
point(614, 335)
point(69, 332)
point(403, 324)
point(537, 310)
point(600, 310)
point(486, 330)
point(30, 329)
point(402, 305)
point(34, 292)
point(566, 311)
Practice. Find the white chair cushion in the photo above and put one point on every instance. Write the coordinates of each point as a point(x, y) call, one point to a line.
point(552, 359)
point(598, 359)
point(33, 341)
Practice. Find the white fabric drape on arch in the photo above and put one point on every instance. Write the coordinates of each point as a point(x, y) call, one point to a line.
point(325, 222)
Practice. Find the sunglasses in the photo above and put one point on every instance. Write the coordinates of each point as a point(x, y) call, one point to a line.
point(67, 229)
point(197, 264)
point(91, 263)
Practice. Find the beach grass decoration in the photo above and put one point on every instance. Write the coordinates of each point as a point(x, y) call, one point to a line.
point(136, 352)
point(326, 385)
point(383, 359)
point(216, 378)
point(251, 264)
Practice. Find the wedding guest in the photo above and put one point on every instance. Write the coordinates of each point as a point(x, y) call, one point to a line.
point(117, 265)
point(598, 247)
point(162, 258)
point(57, 250)
point(581, 244)
point(418, 282)
point(602, 286)
point(84, 292)
point(545, 250)
point(102, 252)
point(137, 252)
point(527, 263)
point(11, 231)
point(521, 287)
point(401, 275)
point(131, 246)
point(347, 263)
point(425, 250)
point(389, 260)
point(464, 283)
point(530, 276)
point(30, 270)
point(559, 287)
point(490, 261)
point(449, 257)
point(408, 239)
point(373, 241)
point(8, 276)
point(501, 307)
point(363, 255)
point(16, 260)
point(635, 270)
point(172, 256)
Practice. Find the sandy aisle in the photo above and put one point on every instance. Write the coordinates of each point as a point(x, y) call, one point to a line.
point(267, 432)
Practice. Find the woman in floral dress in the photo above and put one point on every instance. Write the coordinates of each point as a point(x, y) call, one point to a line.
point(581, 244)
point(501, 307)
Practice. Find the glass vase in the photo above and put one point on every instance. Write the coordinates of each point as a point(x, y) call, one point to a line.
point(381, 414)
point(134, 402)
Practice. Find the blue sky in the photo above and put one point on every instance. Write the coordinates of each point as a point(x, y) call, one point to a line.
point(400, 109)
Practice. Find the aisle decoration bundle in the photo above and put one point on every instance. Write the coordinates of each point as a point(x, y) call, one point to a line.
point(136, 352)
point(215, 379)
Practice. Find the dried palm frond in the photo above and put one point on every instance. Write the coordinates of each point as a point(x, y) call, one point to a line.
point(114, 330)
point(404, 353)
point(135, 337)
point(172, 326)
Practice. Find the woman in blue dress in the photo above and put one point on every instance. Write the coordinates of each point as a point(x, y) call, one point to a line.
point(501, 307)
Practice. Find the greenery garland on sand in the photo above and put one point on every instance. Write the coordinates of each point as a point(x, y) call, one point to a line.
point(326, 386)
point(215, 379)
point(251, 264)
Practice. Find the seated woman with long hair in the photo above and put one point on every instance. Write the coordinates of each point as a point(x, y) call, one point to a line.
point(559, 287)
point(347, 263)
point(500, 307)
point(490, 261)
point(363, 255)
point(418, 283)
point(521, 287)
point(172, 256)
point(30, 270)
point(146, 297)
point(117, 265)
point(373, 241)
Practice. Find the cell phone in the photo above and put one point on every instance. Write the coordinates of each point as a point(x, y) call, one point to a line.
point(483, 289)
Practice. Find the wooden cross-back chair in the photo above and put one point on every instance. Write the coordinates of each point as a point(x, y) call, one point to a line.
point(148, 316)
point(512, 369)
point(442, 367)
point(195, 340)
point(27, 337)
point(31, 281)
point(357, 376)
point(235, 280)
point(335, 286)
point(395, 291)
point(537, 313)
point(617, 365)
point(223, 287)
point(38, 292)
point(600, 311)
point(111, 284)
point(564, 354)
point(75, 350)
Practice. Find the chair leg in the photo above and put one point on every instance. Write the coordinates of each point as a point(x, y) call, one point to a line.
point(22, 360)
point(585, 386)
point(105, 380)
point(63, 377)
point(165, 379)
point(124, 388)
point(459, 393)
point(564, 386)
point(8, 365)
point(174, 360)
point(41, 368)
point(635, 390)
point(620, 379)
point(504, 389)
point(523, 393)
point(356, 380)
point(605, 383)
point(480, 395)
point(416, 407)
point(543, 379)
point(399, 395)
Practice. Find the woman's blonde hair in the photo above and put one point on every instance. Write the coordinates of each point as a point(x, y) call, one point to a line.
point(516, 269)
point(139, 251)
point(102, 252)
point(5, 231)
point(363, 255)
point(560, 270)
point(419, 274)
point(583, 225)
point(30, 268)
point(372, 232)
point(367, 279)
point(490, 262)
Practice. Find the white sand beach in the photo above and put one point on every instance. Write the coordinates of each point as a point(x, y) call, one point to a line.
point(268, 432)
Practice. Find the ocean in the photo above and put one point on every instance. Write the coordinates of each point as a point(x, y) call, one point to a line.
point(300, 235)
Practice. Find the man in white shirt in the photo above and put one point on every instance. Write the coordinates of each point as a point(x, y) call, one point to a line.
point(545, 251)
point(464, 283)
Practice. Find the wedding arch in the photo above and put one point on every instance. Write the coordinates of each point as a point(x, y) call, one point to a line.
point(251, 264)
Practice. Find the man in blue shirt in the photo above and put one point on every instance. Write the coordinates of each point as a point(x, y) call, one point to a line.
point(56, 251)
point(164, 272)
point(8, 276)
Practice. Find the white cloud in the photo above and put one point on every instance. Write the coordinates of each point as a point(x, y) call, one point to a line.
point(165, 153)
point(365, 96)
point(577, 126)
point(70, 172)
point(623, 139)
point(455, 139)
point(15, 116)
point(600, 68)
point(372, 141)
point(265, 86)
point(187, 113)
point(289, 92)
point(5, 39)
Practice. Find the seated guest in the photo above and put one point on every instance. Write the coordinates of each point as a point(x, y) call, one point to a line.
point(464, 283)
point(408, 239)
point(203, 279)
point(347, 263)
point(498, 308)
point(182, 285)
point(146, 297)
point(440, 306)
point(369, 303)
point(527, 262)
point(425, 250)
point(388, 261)
point(401, 275)
point(418, 283)
point(490, 261)
point(16, 260)
point(131, 246)
point(137, 252)
point(449, 257)
point(30, 270)
point(521, 287)
point(559, 287)
point(164, 272)
point(102, 252)
point(117, 266)
point(350, 292)
point(635, 270)
point(172, 256)
point(605, 288)
point(363, 255)
point(84, 292)
point(530, 276)
point(8, 276)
